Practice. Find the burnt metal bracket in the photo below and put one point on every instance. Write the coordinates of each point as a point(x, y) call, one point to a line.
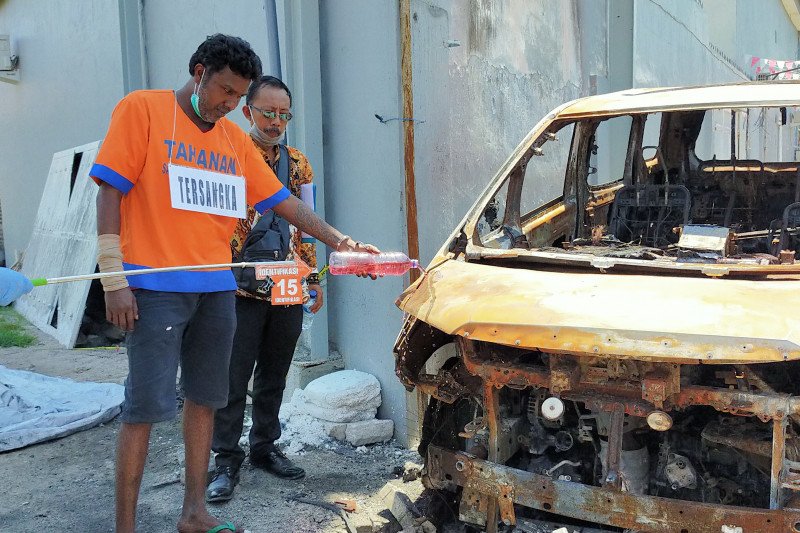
point(613, 478)
point(778, 459)
point(602, 505)
point(491, 410)
point(505, 502)
point(443, 386)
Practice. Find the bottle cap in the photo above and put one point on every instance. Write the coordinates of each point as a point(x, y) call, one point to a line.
point(312, 293)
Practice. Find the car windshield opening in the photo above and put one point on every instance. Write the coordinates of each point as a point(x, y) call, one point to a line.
point(718, 186)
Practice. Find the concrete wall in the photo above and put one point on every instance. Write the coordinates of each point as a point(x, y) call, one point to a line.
point(690, 42)
point(359, 45)
point(682, 42)
point(168, 50)
point(671, 46)
point(516, 61)
point(71, 79)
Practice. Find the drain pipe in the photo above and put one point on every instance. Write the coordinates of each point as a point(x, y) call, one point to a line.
point(273, 56)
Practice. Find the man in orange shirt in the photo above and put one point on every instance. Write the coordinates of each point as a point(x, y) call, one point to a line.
point(174, 177)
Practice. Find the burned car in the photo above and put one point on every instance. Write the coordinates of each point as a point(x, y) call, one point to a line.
point(610, 339)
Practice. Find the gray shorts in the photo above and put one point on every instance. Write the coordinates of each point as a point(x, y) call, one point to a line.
point(194, 330)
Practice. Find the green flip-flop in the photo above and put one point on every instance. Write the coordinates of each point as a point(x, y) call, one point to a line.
point(227, 526)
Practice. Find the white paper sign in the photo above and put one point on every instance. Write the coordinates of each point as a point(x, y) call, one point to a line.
point(204, 191)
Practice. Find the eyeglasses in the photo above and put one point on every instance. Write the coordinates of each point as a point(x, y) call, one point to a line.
point(286, 117)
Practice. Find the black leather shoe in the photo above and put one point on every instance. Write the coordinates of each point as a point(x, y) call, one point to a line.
point(276, 463)
point(223, 481)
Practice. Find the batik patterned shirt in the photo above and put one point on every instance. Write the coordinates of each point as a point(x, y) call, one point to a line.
point(300, 173)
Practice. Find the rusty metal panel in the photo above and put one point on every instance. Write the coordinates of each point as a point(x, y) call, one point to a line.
point(696, 319)
point(603, 505)
point(766, 405)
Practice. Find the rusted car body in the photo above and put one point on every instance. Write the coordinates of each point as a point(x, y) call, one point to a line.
point(621, 310)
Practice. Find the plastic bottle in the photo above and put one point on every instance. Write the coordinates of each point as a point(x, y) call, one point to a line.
point(384, 263)
point(308, 315)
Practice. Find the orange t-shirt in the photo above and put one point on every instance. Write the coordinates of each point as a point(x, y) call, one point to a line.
point(147, 132)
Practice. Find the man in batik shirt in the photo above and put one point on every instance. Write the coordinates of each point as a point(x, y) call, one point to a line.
point(266, 334)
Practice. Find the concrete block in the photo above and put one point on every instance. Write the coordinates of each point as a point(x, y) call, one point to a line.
point(345, 388)
point(338, 414)
point(337, 431)
point(301, 373)
point(361, 522)
point(400, 505)
point(369, 432)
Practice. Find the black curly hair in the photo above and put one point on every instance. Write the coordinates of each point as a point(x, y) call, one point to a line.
point(219, 51)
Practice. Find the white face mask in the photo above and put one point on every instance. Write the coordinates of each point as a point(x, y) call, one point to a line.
point(260, 136)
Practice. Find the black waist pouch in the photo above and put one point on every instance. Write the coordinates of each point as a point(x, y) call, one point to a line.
point(267, 241)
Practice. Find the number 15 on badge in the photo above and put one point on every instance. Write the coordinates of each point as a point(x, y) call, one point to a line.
point(286, 277)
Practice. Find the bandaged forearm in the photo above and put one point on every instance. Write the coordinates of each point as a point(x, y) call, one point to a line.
point(109, 259)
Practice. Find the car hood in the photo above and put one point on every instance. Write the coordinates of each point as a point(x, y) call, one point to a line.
point(654, 318)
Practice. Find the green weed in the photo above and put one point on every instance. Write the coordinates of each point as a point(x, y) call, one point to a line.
point(12, 329)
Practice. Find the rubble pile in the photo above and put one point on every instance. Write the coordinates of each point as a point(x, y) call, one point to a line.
point(341, 405)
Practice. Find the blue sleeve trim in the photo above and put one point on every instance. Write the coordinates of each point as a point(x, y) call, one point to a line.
point(182, 281)
point(113, 178)
point(273, 200)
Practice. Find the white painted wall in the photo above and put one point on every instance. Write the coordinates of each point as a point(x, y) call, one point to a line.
point(71, 79)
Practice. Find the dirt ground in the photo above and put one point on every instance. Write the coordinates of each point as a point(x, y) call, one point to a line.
point(68, 484)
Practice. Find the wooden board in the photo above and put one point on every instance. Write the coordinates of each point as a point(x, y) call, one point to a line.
point(63, 243)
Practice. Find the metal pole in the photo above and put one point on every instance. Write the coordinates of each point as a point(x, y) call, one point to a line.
point(38, 282)
point(778, 457)
point(408, 133)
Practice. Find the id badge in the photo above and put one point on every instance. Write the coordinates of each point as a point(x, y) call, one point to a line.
point(204, 191)
point(287, 278)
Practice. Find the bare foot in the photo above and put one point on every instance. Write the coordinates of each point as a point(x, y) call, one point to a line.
point(200, 522)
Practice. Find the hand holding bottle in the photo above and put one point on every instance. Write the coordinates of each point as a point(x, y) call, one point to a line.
point(316, 299)
point(347, 244)
point(372, 264)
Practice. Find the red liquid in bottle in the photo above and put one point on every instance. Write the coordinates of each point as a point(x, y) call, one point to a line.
point(383, 264)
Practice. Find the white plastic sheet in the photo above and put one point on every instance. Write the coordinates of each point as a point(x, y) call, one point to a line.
point(35, 408)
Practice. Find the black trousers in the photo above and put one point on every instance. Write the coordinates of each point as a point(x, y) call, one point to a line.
point(266, 337)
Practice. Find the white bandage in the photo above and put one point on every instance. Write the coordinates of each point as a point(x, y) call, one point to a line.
point(109, 259)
